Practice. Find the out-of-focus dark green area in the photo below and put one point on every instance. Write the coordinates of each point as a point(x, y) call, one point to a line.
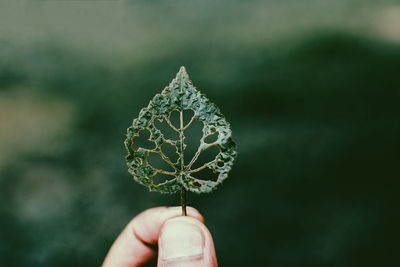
point(311, 89)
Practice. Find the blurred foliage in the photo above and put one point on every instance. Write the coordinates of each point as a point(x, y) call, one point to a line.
point(315, 118)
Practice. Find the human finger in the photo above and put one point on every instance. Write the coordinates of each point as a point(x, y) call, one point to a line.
point(133, 247)
point(185, 241)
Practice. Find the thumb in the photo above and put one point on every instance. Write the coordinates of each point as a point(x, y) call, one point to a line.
point(185, 241)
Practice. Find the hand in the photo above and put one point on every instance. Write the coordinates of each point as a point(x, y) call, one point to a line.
point(182, 240)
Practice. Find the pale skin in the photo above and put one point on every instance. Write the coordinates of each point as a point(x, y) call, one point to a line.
point(181, 240)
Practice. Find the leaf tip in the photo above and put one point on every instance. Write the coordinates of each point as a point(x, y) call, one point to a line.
point(182, 72)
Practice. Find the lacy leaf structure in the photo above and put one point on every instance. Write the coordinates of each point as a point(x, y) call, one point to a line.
point(180, 96)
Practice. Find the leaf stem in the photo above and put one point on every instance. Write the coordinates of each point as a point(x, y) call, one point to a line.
point(183, 200)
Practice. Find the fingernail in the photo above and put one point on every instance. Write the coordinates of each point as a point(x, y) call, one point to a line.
point(181, 239)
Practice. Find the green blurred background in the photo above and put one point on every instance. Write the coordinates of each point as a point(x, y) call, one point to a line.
point(311, 89)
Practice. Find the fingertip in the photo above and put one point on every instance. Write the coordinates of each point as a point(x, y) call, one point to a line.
point(186, 241)
point(195, 213)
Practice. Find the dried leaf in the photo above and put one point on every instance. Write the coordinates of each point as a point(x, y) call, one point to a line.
point(179, 96)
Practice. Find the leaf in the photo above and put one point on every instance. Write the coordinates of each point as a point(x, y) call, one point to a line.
point(180, 96)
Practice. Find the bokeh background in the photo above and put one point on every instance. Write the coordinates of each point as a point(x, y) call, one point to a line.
point(311, 89)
